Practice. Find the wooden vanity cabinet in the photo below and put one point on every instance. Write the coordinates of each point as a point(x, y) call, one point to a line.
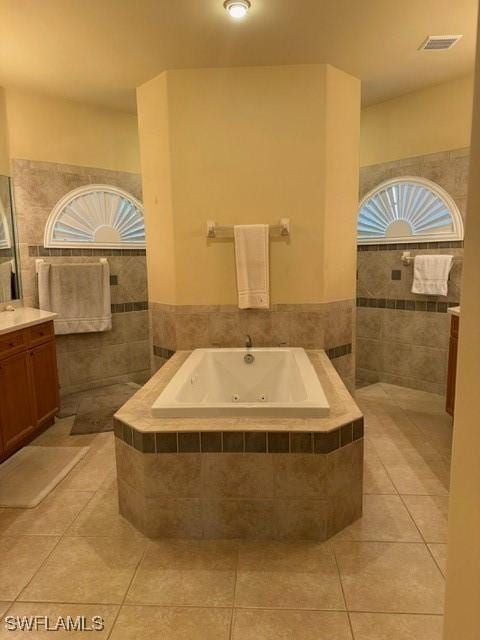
point(452, 365)
point(28, 385)
point(17, 420)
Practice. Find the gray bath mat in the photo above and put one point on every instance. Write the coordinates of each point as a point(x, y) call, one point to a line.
point(93, 409)
point(31, 473)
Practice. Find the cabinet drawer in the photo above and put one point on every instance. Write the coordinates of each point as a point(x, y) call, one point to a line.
point(41, 333)
point(12, 343)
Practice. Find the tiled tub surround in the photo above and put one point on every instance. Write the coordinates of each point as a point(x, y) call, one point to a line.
point(85, 360)
point(240, 477)
point(329, 326)
point(402, 338)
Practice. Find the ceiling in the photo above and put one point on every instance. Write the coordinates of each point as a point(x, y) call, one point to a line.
point(98, 51)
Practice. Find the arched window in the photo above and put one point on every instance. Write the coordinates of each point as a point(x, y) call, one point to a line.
point(408, 209)
point(98, 215)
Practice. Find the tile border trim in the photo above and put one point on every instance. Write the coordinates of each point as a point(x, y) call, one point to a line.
point(126, 307)
point(338, 352)
point(291, 442)
point(406, 305)
point(37, 250)
point(405, 246)
point(161, 352)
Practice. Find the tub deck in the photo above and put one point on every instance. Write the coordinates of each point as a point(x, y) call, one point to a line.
point(136, 413)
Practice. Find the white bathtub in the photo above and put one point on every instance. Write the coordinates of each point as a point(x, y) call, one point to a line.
point(218, 382)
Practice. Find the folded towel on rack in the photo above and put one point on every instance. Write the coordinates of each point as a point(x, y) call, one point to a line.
point(252, 262)
point(6, 281)
point(430, 274)
point(79, 294)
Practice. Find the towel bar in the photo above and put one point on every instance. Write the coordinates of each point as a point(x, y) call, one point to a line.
point(216, 231)
point(408, 259)
point(40, 261)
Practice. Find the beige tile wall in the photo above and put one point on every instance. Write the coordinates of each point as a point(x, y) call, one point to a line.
point(321, 326)
point(92, 359)
point(85, 360)
point(409, 348)
point(449, 169)
point(375, 275)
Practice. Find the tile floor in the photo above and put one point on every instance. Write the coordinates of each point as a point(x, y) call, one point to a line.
point(382, 578)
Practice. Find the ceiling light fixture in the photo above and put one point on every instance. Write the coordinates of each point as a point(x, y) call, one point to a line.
point(237, 8)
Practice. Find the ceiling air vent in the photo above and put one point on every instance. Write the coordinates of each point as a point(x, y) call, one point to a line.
point(439, 43)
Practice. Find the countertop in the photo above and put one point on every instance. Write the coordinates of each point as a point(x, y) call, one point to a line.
point(23, 317)
point(137, 411)
point(454, 311)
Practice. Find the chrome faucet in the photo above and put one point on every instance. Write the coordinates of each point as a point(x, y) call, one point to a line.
point(249, 358)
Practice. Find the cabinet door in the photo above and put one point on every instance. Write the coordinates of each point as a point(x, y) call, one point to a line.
point(45, 381)
point(16, 415)
point(452, 365)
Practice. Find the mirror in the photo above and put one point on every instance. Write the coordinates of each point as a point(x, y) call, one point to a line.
point(9, 264)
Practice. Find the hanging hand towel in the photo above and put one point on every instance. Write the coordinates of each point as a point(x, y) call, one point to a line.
point(79, 294)
point(431, 274)
point(6, 281)
point(252, 261)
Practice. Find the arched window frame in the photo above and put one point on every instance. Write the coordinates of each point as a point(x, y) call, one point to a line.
point(457, 221)
point(59, 208)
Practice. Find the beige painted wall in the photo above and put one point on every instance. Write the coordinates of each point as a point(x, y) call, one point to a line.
point(462, 620)
point(4, 154)
point(57, 130)
point(434, 119)
point(342, 177)
point(250, 145)
point(156, 185)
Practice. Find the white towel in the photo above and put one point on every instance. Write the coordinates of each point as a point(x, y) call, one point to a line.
point(79, 294)
point(252, 261)
point(6, 281)
point(430, 274)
